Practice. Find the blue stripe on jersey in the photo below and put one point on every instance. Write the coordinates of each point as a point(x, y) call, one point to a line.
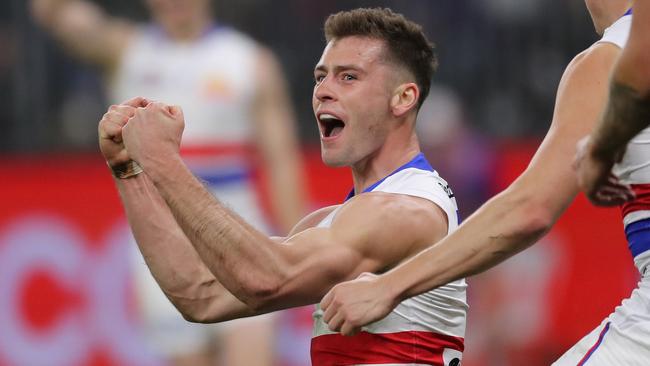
point(224, 178)
point(638, 236)
point(628, 12)
point(595, 346)
point(419, 162)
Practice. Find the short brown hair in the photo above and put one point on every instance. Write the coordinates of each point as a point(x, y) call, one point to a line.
point(406, 43)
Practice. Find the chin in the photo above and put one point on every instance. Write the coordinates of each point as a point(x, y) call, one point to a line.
point(333, 161)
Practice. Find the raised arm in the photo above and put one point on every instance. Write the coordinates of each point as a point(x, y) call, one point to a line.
point(373, 232)
point(626, 114)
point(278, 142)
point(84, 29)
point(506, 224)
point(172, 260)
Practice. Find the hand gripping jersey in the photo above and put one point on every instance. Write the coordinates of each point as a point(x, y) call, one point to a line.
point(623, 338)
point(634, 169)
point(427, 329)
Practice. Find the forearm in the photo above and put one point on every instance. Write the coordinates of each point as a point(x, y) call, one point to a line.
point(84, 29)
point(172, 260)
point(47, 12)
point(239, 256)
point(628, 108)
point(626, 114)
point(498, 230)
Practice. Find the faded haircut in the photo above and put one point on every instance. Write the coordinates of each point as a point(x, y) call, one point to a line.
point(406, 44)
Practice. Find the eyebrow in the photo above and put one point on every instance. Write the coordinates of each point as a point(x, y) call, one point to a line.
point(338, 68)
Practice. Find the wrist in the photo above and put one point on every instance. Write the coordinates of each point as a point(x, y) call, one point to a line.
point(125, 170)
point(393, 290)
point(160, 170)
point(602, 153)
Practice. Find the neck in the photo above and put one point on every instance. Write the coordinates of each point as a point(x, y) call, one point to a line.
point(399, 148)
point(190, 30)
point(608, 12)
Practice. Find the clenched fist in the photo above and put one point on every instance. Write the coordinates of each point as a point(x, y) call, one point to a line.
point(153, 134)
point(110, 127)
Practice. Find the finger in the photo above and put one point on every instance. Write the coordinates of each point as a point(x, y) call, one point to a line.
point(137, 102)
point(110, 127)
point(335, 323)
point(612, 189)
point(348, 329)
point(329, 313)
point(117, 117)
point(158, 105)
point(608, 198)
point(327, 299)
point(126, 110)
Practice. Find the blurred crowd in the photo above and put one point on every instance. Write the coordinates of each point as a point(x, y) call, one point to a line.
point(503, 58)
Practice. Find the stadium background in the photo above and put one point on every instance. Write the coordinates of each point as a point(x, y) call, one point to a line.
point(64, 281)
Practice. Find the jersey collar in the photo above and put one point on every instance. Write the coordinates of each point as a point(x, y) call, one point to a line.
point(418, 162)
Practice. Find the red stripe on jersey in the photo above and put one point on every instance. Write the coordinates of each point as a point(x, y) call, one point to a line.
point(369, 348)
point(217, 150)
point(641, 202)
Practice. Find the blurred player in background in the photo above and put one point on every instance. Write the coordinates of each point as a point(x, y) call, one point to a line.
point(522, 214)
point(236, 100)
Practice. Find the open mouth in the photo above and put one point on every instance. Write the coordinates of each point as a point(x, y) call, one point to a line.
point(330, 125)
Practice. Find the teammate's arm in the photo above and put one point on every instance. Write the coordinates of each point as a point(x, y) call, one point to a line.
point(506, 224)
point(626, 114)
point(85, 29)
point(277, 140)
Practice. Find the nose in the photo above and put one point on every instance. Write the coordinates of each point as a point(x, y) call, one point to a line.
point(322, 91)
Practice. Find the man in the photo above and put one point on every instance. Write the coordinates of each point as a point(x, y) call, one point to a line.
point(237, 103)
point(626, 115)
point(369, 84)
point(519, 216)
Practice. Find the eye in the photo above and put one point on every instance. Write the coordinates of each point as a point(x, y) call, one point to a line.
point(319, 78)
point(349, 77)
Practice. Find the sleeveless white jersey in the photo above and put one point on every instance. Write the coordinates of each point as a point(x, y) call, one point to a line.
point(427, 329)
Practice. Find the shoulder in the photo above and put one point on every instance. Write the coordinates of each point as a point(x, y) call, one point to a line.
point(382, 215)
point(313, 219)
point(595, 61)
point(423, 184)
point(585, 80)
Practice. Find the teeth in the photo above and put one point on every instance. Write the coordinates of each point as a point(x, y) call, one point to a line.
point(326, 116)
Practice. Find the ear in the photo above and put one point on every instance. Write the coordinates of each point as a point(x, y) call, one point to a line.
point(405, 98)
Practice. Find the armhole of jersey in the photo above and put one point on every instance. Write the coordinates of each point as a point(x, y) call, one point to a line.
point(618, 32)
point(419, 185)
